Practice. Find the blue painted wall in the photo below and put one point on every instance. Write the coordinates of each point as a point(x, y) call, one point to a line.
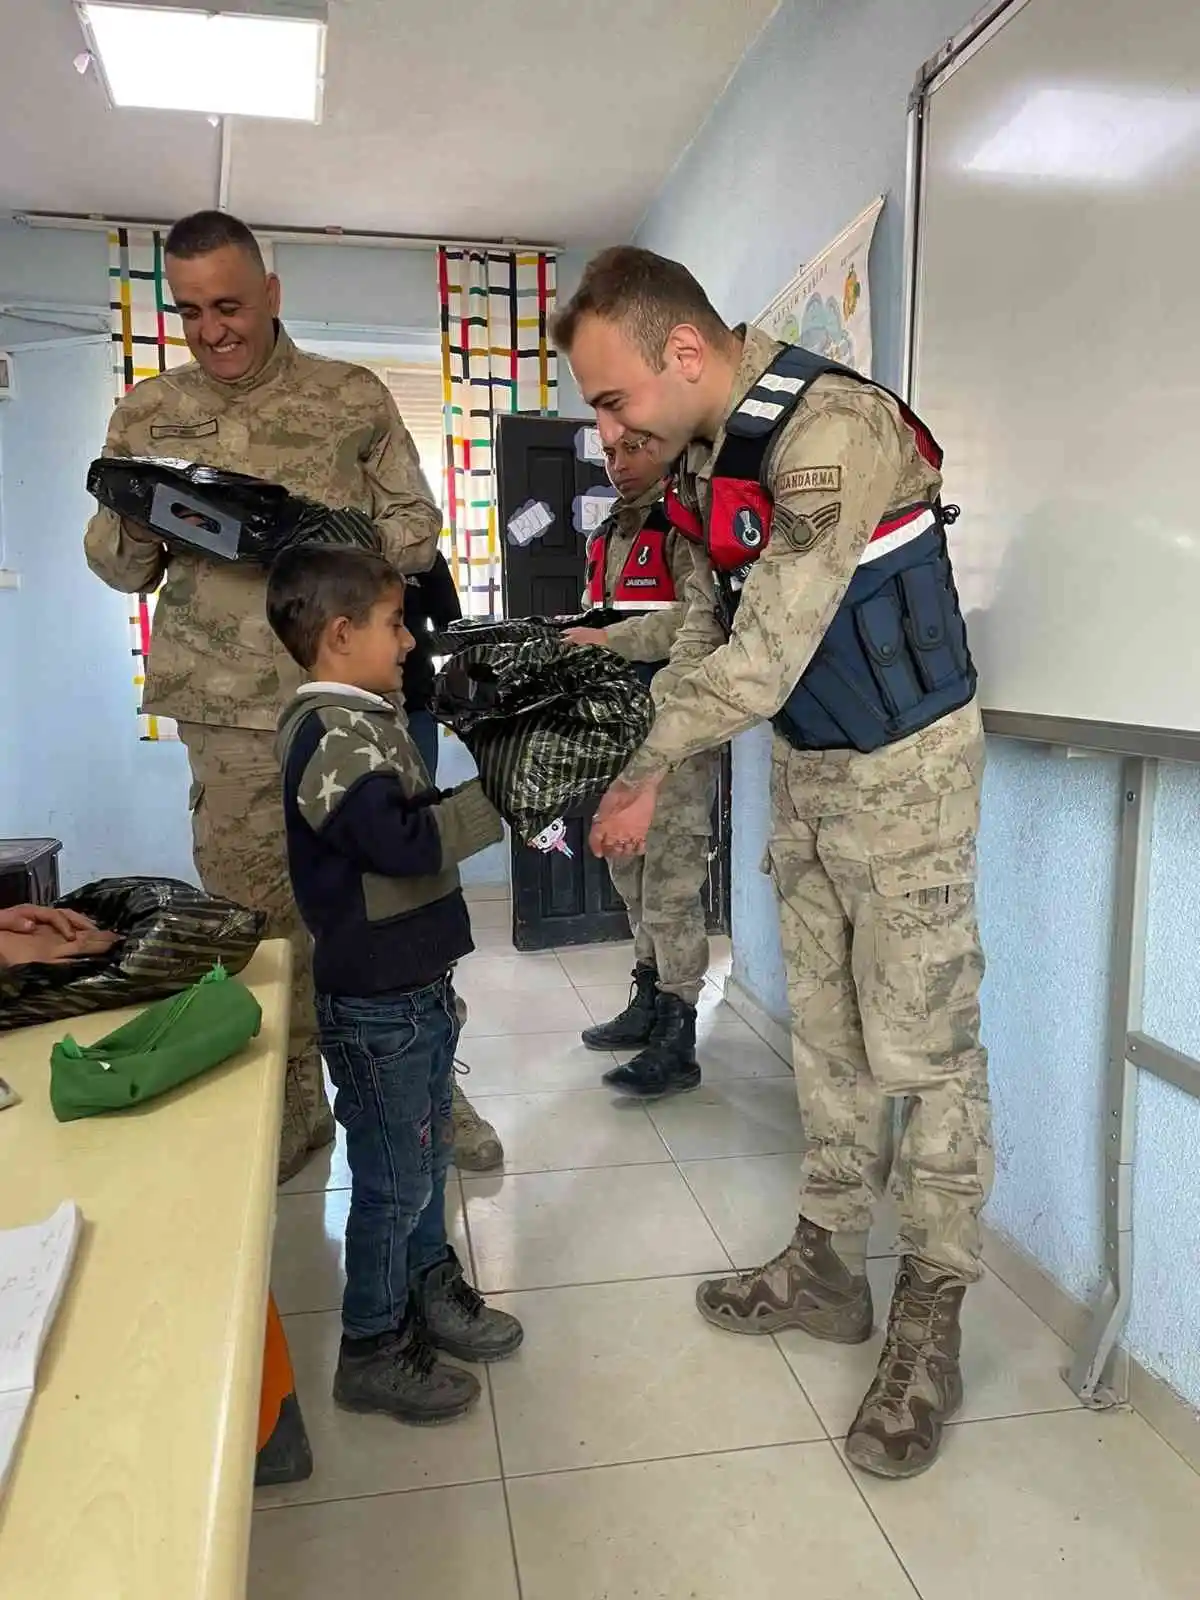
point(71, 762)
point(811, 127)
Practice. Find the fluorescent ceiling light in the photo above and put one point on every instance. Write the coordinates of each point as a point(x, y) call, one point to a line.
point(221, 63)
point(1088, 135)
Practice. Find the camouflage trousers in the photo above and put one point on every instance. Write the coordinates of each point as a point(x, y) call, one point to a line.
point(240, 852)
point(881, 944)
point(661, 889)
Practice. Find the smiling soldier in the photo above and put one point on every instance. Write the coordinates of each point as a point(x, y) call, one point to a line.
point(250, 401)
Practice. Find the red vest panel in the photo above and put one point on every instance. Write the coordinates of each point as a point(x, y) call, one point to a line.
point(645, 582)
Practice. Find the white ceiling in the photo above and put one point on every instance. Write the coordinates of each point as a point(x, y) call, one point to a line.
point(542, 120)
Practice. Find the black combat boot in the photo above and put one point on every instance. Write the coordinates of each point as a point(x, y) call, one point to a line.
point(668, 1064)
point(635, 1024)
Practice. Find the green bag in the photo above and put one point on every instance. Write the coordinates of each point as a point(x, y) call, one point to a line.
point(165, 1045)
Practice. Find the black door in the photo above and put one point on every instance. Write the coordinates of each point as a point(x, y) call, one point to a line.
point(551, 490)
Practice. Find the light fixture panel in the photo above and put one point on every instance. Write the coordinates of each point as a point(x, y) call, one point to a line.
point(246, 58)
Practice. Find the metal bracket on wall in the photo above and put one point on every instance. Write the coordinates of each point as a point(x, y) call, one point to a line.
point(1111, 1307)
point(1130, 1052)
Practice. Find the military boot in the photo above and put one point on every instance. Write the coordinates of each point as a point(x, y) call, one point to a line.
point(918, 1385)
point(631, 1028)
point(457, 1319)
point(808, 1285)
point(668, 1064)
point(399, 1374)
point(477, 1146)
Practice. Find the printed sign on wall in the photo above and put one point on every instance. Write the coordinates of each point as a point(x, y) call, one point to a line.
point(826, 307)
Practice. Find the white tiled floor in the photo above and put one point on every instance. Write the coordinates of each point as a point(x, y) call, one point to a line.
point(630, 1451)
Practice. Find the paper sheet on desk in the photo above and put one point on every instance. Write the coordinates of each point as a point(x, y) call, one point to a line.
point(35, 1263)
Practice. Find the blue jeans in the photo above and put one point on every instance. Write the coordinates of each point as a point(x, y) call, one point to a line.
point(425, 733)
point(391, 1058)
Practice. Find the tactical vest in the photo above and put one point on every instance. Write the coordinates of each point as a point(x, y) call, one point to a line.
point(645, 583)
point(894, 659)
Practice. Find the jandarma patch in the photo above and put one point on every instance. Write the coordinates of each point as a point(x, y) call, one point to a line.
point(804, 480)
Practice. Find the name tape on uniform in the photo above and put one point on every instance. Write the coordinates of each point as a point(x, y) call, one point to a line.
point(808, 480)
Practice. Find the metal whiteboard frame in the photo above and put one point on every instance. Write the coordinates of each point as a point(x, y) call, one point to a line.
point(1092, 1374)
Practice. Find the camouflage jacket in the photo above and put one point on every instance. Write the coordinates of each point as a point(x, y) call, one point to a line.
point(325, 429)
point(792, 593)
point(650, 635)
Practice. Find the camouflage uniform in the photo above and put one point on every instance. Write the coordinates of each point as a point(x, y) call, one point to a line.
point(325, 429)
point(872, 856)
point(661, 889)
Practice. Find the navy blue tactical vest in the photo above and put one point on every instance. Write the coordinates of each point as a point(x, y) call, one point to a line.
point(895, 658)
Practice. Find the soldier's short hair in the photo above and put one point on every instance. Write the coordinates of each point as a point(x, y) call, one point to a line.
point(312, 584)
point(646, 293)
point(206, 231)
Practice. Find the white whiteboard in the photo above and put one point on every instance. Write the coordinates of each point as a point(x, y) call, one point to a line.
point(1056, 353)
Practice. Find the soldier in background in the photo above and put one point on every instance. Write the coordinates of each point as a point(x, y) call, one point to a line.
point(639, 564)
point(816, 497)
point(251, 402)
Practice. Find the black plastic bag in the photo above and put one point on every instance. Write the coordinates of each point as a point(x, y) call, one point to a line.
point(226, 516)
point(550, 725)
point(171, 935)
point(515, 630)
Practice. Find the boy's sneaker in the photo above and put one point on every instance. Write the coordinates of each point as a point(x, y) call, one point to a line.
point(401, 1375)
point(458, 1320)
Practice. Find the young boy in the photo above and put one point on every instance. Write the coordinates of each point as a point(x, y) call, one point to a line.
point(373, 851)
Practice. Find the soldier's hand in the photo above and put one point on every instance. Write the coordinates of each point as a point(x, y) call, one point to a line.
point(586, 636)
point(139, 532)
point(623, 819)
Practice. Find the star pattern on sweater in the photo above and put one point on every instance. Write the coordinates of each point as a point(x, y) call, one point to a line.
point(329, 788)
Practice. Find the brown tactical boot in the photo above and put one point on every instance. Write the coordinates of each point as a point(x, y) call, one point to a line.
point(918, 1386)
point(477, 1146)
point(806, 1286)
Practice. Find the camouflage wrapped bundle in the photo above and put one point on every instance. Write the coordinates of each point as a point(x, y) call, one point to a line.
point(171, 935)
point(515, 630)
point(228, 516)
point(549, 726)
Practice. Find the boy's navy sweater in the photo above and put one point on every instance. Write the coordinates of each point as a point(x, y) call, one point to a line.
point(373, 848)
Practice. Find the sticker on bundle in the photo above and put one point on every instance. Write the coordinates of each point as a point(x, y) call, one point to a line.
point(553, 837)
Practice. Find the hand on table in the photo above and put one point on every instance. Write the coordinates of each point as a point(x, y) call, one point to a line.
point(28, 919)
point(623, 818)
point(586, 636)
point(48, 934)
